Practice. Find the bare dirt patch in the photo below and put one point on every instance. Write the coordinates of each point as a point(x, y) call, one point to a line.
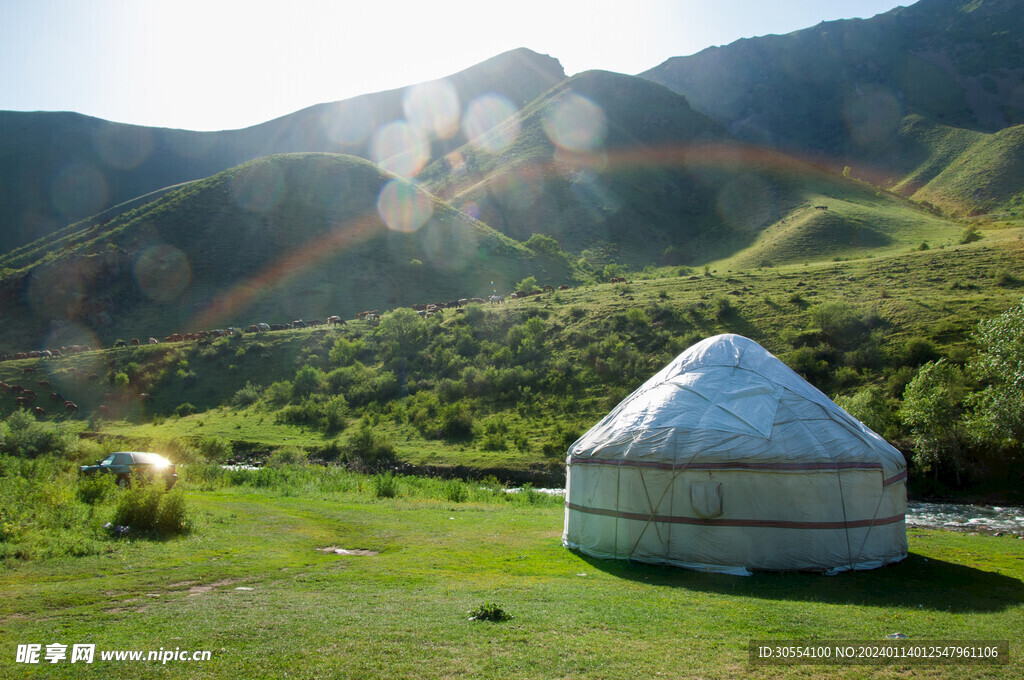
point(348, 551)
point(207, 587)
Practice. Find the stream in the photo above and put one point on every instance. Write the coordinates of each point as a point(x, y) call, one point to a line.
point(964, 517)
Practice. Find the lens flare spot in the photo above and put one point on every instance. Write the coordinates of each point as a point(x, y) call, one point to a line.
point(456, 163)
point(76, 337)
point(746, 203)
point(490, 123)
point(575, 123)
point(403, 207)
point(163, 272)
point(123, 147)
point(400, 148)
point(257, 188)
point(433, 108)
point(471, 209)
point(873, 115)
point(79, 190)
point(349, 122)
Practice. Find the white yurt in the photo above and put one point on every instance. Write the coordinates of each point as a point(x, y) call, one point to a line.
point(727, 460)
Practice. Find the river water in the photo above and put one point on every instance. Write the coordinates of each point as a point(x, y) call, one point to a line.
point(963, 517)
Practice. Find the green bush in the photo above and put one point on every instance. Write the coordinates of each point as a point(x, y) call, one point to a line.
point(247, 396)
point(385, 485)
point(455, 491)
point(489, 611)
point(287, 456)
point(97, 489)
point(22, 435)
point(367, 449)
point(185, 409)
point(215, 449)
point(147, 510)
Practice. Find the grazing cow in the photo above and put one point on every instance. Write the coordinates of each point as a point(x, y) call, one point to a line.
point(57, 396)
point(40, 413)
point(70, 406)
point(495, 299)
point(136, 342)
point(618, 279)
point(28, 394)
point(548, 289)
point(154, 341)
point(479, 301)
point(120, 343)
point(298, 323)
point(279, 326)
point(335, 320)
point(263, 327)
point(43, 383)
point(21, 402)
point(145, 398)
point(563, 287)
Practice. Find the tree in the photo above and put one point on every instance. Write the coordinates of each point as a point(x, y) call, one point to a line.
point(999, 366)
point(934, 409)
point(527, 285)
point(400, 331)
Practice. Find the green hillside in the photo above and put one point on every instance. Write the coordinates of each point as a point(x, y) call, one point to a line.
point(986, 177)
point(280, 238)
point(896, 98)
point(663, 185)
point(59, 168)
point(505, 388)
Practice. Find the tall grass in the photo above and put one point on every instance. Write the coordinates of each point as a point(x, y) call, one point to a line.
point(317, 480)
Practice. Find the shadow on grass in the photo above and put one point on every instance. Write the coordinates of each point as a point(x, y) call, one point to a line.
point(915, 582)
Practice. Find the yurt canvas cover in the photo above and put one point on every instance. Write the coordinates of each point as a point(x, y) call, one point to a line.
point(727, 460)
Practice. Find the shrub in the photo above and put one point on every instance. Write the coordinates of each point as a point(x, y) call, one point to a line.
point(185, 409)
point(215, 449)
point(22, 435)
point(97, 489)
point(917, 351)
point(488, 611)
point(147, 509)
point(871, 406)
point(308, 380)
point(247, 396)
point(367, 449)
point(287, 456)
point(970, 234)
point(385, 485)
point(455, 491)
point(455, 420)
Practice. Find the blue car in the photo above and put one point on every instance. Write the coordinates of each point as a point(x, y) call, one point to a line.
point(126, 465)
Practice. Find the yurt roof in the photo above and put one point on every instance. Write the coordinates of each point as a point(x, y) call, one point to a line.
point(728, 399)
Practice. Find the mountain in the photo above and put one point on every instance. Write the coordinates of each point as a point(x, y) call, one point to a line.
point(618, 168)
point(58, 168)
point(858, 92)
point(278, 238)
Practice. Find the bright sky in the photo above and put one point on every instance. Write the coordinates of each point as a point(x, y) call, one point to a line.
point(223, 64)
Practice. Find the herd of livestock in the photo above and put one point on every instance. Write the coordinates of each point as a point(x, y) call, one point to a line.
point(369, 316)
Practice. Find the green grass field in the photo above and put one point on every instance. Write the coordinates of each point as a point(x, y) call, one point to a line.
point(250, 586)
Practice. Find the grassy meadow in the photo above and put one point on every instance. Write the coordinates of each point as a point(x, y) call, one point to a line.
point(251, 584)
point(240, 571)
